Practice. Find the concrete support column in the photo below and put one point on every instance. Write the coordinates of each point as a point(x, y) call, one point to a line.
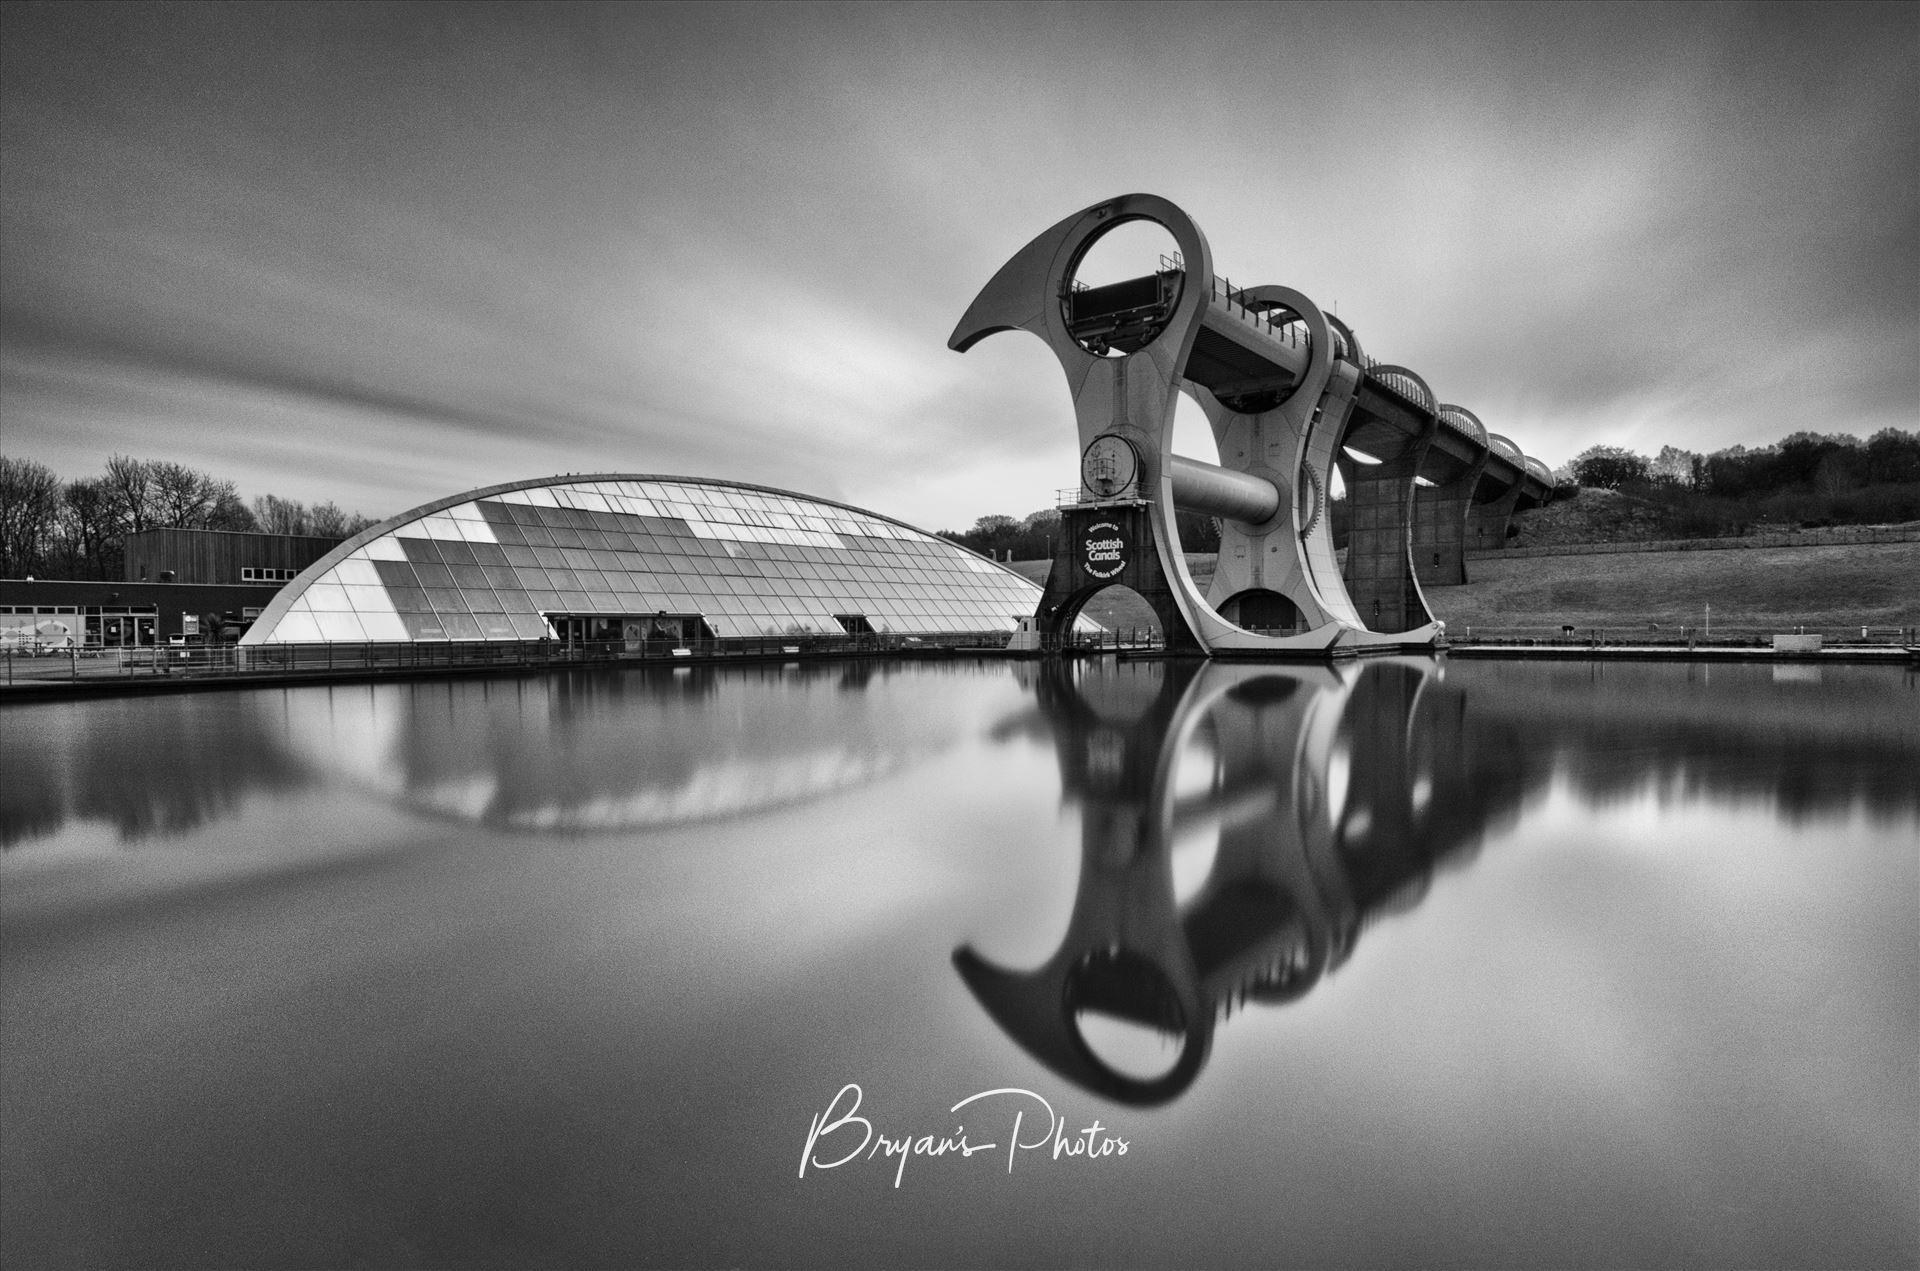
point(1379, 568)
point(1107, 545)
point(1487, 522)
point(1440, 528)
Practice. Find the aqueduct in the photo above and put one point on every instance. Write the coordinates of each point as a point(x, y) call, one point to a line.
point(1290, 396)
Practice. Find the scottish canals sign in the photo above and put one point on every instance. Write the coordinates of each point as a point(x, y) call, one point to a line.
point(1103, 550)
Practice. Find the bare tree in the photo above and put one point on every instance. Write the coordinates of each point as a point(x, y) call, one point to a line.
point(182, 496)
point(131, 483)
point(91, 527)
point(276, 515)
point(29, 503)
point(1674, 466)
point(229, 512)
point(327, 520)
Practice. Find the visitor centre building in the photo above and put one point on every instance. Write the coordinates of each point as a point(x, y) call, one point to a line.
point(640, 558)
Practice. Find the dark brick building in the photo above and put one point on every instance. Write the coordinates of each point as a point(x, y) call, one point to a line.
point(219, 579)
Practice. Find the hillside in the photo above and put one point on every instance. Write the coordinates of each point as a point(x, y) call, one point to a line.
point(1596, 516)
point(1753, 592)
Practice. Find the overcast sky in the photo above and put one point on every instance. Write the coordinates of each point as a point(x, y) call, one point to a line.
point(382, 254)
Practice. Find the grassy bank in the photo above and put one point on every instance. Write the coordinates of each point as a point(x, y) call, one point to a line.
point(1763, 590)
point(1752, 592)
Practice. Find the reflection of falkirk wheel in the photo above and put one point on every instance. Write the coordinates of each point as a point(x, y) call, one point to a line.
point(1289, 395)
point(1330, 796)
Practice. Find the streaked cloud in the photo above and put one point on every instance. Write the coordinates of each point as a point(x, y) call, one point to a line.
point(380, 253)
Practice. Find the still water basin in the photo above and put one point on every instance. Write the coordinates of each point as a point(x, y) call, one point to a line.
point(1404, 963)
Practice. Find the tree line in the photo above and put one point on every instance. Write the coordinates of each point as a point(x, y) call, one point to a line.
point(51, 528)
point(1805, 479)
point(1032, 537)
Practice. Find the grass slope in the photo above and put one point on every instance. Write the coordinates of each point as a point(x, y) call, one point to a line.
point(1754, 590)
point(1596, 516)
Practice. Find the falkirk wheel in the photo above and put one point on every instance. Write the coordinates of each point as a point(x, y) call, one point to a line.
point(1289, 395)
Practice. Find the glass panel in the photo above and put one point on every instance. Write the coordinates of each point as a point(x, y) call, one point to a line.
point(395, 573)
point(461, 626)
point(356, 572)
point(420, 549)
point(339, 626)
point(453, 553)
point(424, 626)
point(384, 626)
point(409, 599)
point(433, 575)
point(369, 599)
point(326, 596)
point(384, 548)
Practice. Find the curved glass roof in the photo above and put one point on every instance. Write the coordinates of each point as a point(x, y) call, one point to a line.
point(498, 563)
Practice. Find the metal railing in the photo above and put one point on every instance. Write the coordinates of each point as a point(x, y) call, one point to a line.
point(1075, 496)
point(319, 660)
point(1125, 640)
point(1291, 332)
point(1735, 635)
point(1463, 424)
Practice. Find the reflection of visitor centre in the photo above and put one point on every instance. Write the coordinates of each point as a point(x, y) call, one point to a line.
point(640, 558)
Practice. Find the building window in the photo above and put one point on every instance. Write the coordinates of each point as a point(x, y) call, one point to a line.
point(260, 574)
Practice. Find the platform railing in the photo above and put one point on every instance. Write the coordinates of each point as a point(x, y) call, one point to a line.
point(318, 659)
point(1730, 635)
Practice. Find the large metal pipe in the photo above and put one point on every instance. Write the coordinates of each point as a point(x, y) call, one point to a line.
point(1237, 496)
